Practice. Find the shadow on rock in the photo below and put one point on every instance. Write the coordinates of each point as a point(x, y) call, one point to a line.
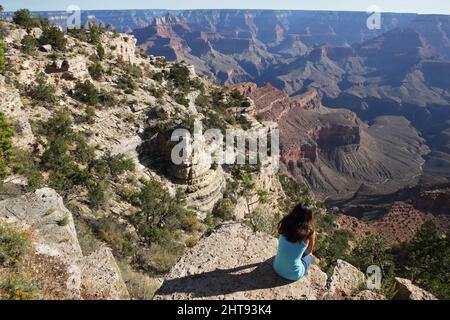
point(223, 282)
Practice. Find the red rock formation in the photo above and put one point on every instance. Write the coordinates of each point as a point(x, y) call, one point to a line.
point(305, 151)
point(331, 150)
point(399, 225)
point(435, 201)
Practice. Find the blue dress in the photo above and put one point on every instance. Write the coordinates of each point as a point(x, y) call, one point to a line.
point(288, 262)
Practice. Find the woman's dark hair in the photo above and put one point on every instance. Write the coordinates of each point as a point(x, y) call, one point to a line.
point(298, 225)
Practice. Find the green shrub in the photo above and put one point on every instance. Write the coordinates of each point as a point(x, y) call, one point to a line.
point(191, 242)
point(25, 164)
point(54, 37)
point(374, 250)
point(426, 260)
point(96, 71)
point(158, 77)
point(107, 99)
point(180, 98)
point(42, 90)
point(18, 286)
point(129, 195)
point(202, 101)
point(2, 56)
point(371, 251)
point(332, 244)
point(23, 18)
point(224, 209)
point(262, 221)
point(180, 76)
point(89, 115)
point(90, 36)
point(160, 214)
point(63, 221)
point(120, 164)
point(160, 258)
point(111, 166)
point(14, 244)
point(127, 83)
point(95, 32)
point(58, 125)
point(6, 146)
point(114, 234)
point(100, 52)
point(133, 70)
point(157, 93)
point(63, 149)
point(160, 62)
point(87, 93)
point(97, 195)
point(29, 44)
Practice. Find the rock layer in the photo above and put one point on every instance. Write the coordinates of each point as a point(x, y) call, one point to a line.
point(333, 152)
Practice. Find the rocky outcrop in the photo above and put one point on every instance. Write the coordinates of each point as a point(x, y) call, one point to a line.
point(11, 105)
point(408, 291)
point(433, 201)
point(123, 48)
point(345, 280)
point(57, 263)
point(235, 263)
point(204, 184)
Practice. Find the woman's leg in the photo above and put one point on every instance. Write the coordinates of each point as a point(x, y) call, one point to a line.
point(307, 261)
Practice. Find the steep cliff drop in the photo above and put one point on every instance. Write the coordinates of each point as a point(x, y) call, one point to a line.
point(335, 153)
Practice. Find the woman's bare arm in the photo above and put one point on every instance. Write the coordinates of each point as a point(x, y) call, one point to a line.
point(311, 243)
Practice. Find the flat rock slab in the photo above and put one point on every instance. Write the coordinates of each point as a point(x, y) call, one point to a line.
point(235, 263)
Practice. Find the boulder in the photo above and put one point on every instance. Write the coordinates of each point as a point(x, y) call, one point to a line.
point(15, 35)
point(408, 291)
point(345, 280)
point(369, 295)
point(46, 48)
point(36, 32)
point(56, 262)
point(235, 263)
point(100, 277)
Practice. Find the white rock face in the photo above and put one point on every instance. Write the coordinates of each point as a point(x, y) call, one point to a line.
point(11, 105)
point(408, 291)
point(346, 279)
point(15, 35)
point(57, 262)
point(123, 48)
point(78, 68)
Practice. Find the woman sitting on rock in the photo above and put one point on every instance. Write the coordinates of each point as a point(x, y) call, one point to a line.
point(296, 244)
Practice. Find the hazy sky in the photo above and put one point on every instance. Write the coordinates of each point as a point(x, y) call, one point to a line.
point(420, 6)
